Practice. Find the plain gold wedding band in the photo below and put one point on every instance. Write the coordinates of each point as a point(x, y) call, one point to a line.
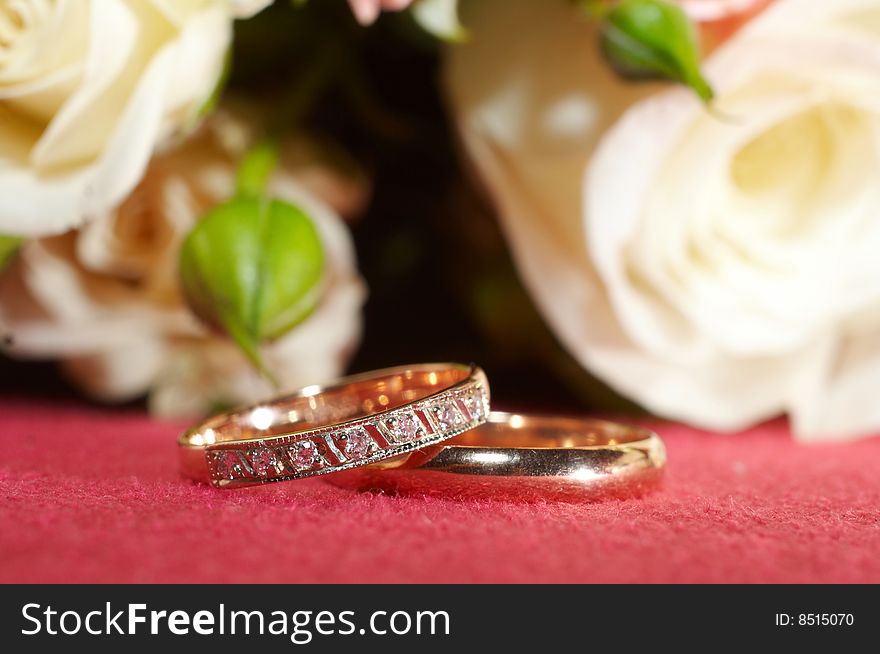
point(525, 457)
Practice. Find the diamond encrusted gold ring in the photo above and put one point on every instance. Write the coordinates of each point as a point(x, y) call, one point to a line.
point(355, 421)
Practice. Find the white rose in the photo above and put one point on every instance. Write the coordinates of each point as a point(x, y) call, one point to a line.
point(247, 8)
point(719, 269)
point(105, 299)
point(88, 89)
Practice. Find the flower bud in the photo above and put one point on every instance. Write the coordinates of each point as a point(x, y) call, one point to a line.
point(653, 39)
point(253, 268)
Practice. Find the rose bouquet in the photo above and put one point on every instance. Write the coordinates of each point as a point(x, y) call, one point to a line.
point(686, 188)
point(717, 266)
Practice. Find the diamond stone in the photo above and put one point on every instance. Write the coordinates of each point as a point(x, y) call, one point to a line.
point(303, 454)
point(227, 464)
point(405, 427)
point(264, 461)
point(447, 416)
point(357, 443)
point(475, 406)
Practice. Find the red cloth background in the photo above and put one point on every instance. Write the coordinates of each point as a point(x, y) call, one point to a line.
point(90, 495)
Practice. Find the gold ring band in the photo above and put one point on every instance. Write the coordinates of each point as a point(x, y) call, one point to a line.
point(355, 421)
point(525, 457)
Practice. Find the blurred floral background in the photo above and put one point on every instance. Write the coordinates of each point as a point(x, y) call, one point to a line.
point(619, 206)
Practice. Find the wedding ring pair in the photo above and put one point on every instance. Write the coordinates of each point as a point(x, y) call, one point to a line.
point(424, 429)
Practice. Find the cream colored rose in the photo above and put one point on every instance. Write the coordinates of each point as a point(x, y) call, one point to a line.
point(106, 301)
point(247, 8)
point(88, 89)
point(717, 267)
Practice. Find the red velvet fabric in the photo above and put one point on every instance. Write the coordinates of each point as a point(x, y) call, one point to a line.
point(94, 496)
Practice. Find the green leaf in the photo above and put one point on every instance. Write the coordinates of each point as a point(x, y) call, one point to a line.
point(253, 267)
point(653, 39)
point(8, 247)
point(440, 18)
